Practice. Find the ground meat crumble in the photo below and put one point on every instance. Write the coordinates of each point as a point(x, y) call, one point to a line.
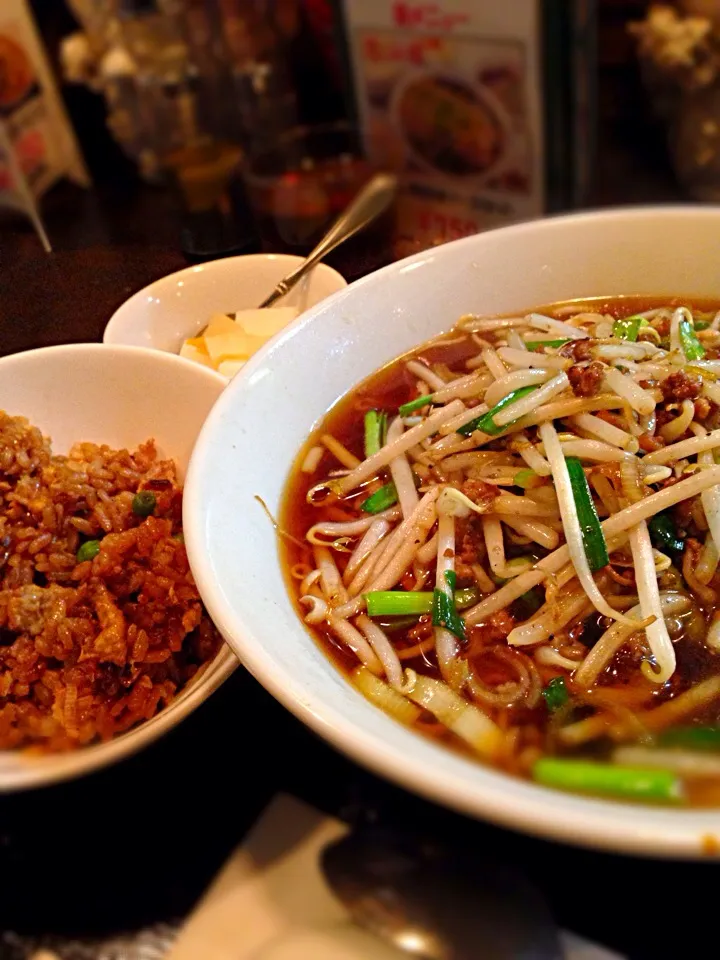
point(585, 379)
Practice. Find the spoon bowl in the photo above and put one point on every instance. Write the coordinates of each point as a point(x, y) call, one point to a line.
point(439, 905)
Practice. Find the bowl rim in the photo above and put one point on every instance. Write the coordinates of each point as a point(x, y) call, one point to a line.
point(120, 349)
point(114, 332)
point(47, 769)
point(530, 808)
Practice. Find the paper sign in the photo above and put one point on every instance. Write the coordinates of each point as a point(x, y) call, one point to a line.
point(449, 95)
point(37, 146)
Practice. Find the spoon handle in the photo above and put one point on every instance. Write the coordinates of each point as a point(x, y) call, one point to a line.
point(375, 197)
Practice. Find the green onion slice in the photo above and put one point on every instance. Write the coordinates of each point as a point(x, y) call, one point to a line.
point(382, 499)
point(398, 603)
point(375, 429)
point(663, 533)
point(467, 598)
point(628, 328)
point(444, 612)
point(535, 345)
point(605, 778)
point(556, 694)
point(402, 603)
point(696, 738)
point(592, 535)
point(691, 346)
point(412, 405)
point(527, 479)
point(528, 603)
point(486, 424)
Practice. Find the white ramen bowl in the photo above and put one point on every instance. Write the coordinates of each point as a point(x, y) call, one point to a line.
point(168, 311)
point(256, 429)
point(120, 396)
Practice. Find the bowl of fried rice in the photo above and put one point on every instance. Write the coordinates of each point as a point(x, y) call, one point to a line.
point(104, 641)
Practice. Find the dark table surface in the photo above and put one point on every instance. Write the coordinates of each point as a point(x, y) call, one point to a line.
point(138, 843)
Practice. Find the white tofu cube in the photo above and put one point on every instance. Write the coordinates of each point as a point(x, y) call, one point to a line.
point(191, 352)
point(228, 368)
point(236, 345)
point(219, 323)
point(265, 323)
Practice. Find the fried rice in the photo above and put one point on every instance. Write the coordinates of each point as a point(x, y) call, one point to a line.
point(90, 648)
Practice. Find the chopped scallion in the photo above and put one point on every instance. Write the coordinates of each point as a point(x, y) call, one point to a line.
point(486, 424)
point(401, 603)
point(527, 479)
point(696, 738)
point(375, 428)
point(628, 328)
point(592, 536)
point(539, 344)
point(663, 533)
point(527, 604)
point(691, 346)
point(382, 499)
point(398, 603)
point(467, 598)
point(444, 614)
point(412, 405)
point(605, 778)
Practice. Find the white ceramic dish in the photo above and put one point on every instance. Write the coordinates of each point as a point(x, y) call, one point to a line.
point(178, 306)
point(291, 383)
point(119, 396)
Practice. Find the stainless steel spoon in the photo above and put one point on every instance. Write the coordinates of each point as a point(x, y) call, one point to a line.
point(374, 199)
point(437, 905)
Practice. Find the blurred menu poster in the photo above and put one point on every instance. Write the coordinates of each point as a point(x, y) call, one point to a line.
point(455, 96)
point(37, 145)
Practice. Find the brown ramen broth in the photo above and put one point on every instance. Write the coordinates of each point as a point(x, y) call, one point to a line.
point(534, 579)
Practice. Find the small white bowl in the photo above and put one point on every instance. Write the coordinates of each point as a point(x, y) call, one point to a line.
point(178, 306)
point(249, 442)
point(120, 396)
